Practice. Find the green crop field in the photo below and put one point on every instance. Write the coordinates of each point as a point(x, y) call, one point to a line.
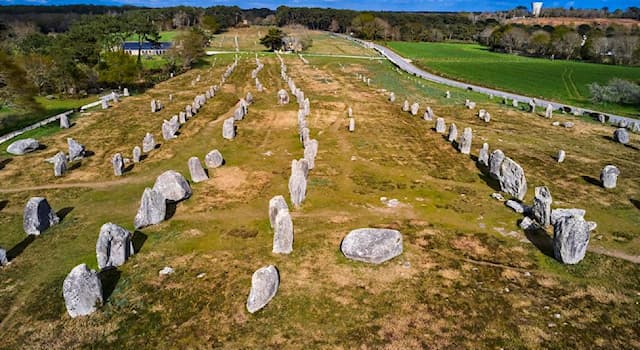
point(558, 80)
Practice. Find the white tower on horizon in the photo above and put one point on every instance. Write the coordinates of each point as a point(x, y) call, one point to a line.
point(535, 8)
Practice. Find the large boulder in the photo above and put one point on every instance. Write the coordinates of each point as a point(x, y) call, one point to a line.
point(148, 143)
point(229, 129)
point(557, 214)
point(541, 209)
point(21, 147)
point(76, 150)
point(276, 204)
point(82, 291)
point(283, 233)
point(264, 286)
point(609, 176)
point(512, 179)
point(153, 209)
point(495, 163)
point(173, 186)
point(118, 164)
point(114, 246)
point(571, 235)
point(372, 245)
point(213, 159)
point(197, 171)
point(38, 216)
point(464, 146)
point(621, 135)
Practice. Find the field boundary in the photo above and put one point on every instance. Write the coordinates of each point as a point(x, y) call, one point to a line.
point(9, 136)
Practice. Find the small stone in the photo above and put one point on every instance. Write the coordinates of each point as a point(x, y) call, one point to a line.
point(372, 245)
point(283, 97)
point(118, 164)
point(114, 246)
point(197, 171)
point(137, 153)
point(38, 216)
point(561, 156)
point(555, 123)
point(516, 206)
point(568, 125)
point(609, 176)
point(3, 257)
point(153, 209)
point(264, 286)
point(173, 186)
point(497, 196)
point(527, 224)
point(166, 271)
point(213, 159)
point(82, 291)
point(21, 147)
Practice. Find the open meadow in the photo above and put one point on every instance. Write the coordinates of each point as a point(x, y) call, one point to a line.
point(557, 80)
point(468, 277)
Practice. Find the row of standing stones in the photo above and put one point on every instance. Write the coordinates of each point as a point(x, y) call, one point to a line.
point(571, 230)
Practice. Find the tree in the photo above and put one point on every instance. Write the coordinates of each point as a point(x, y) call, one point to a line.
point(566, 44)
point(118, 68)
point(188, 47)
point(210, 24)
point(539, 42)
point(15, 90)
point(39, 69)
point(142, 25)
point(514, 38)
point(274, 39)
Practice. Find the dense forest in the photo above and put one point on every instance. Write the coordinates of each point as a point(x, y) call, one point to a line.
point(77, 49)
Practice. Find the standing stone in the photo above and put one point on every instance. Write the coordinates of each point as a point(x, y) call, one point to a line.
point(168, 130)
point(276, 204)
point(601, 118)
point(283, 97)
point(621, 135)
point(238, 114)
point(512, 179)
point(136, 154)
point(453, 132)
point(154, 106)
point(352, 124)
point(64, 122)
point(182, 117)
point(125, 92)
point(447, 94)
point(541, 209)
point(300, 165)
point(548, 113)
point(76, 150)
point(561, 155)
point(114, 246)
point(21, 147)
point(515, 103)
point(392, 97)
point(464, 146)
point(570, 238)
point(440, 126)
point(38, 216)
point(82, 291)
point(213, 159)
point(173, 186)
point(105, 104)
point(148, 143)
point(414, 108)
point(197, 172)
point(59, 164)
point(3, 257)
point(609, 176)
point(405, 106)
point(495, 163)
point(264, 286)
point(118, 164)
point(483, 155)
point(283, 233)
point(532, 106)
point(428, 114)
point(228, 129)
point(372, 245)
point(249, 98)
point(297, 188)
point(310, 152)
point(350, 112)
point(152, 210)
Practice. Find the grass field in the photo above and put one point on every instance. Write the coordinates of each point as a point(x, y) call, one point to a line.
point(558, 80)
point(468, 276)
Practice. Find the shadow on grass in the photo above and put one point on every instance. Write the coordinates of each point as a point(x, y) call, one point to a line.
point(109, 278)
point(591, 180)
point(138, 240)
point(171, 210)
point(62, 213)
point(541, 240)
point(4, 162)
point(3, 204)
point(609, 138)
point(128, 168)
point(491, 182)
point(20, 247)
point(635, 202)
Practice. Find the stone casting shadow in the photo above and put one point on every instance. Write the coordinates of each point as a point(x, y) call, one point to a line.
point(635, 202)
point(591, 180)
point(138, 240)
point(609, 138)
point(62, 213)
point(109, 278)
point(539, 238)
point(3, 204)
point(20, 247)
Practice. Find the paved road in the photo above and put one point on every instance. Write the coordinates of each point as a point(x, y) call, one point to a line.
point(403, 64)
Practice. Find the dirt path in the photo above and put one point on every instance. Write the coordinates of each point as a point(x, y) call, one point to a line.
point(96, 184)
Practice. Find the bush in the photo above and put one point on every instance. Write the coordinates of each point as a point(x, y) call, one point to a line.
point(616, 91)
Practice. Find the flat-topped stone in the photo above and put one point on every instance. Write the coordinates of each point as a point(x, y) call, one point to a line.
point(372, 245)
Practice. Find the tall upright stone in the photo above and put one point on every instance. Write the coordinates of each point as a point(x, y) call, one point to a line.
point(137, 153)
point(548, 112)
point(495, 163)
point(104, 104)
point(283, 233)
point(541, 209)
point(264, 286)
point(283, 97)
point(405, 106)
point(571, 235)
point(59, 164)
point(392, 97)
point(512, 179)
point(352, 125)
point(82, 291)
point(64, 122)
point(114, 246)
point(229, 129)
point(297, 188)
point(464, 146)
point(125, 92)
point(428, 114)
point(197, 171)
point(148, 143)
point(118, 164)
point(483, 155)
point(453, 132)
point(76, 150)
point(152, 210)
point(38, 216)
point(154, 106)
point(276, 204)
point(414, 108)
point(560, 157)
point(310, 152)
point(609, 176)
point(440, 126)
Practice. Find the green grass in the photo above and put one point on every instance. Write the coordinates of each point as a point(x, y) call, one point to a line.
point(558, 80)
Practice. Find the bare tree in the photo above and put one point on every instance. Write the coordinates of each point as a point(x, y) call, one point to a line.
point(514, 38)
point(567, 44)
point(624, 47)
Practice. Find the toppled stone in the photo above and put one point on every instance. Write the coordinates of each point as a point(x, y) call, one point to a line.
point(512, 179)
point(38, 216)
point(213, 159)
point(172, 186)
point(76, 150)
point(283, 232)
point(556, 123)
point(497, 196)
point(453, 132)
point(372, 245)
point(495, 163)
point(621, 135)
point(229, 129)
point(21, 147)
point(153, 209)
point(264, 286)
point(483, 155)
point(59, 164)
point(137, 153)
point(197, 171)
point(114, 246)
point(570, 238)
point(568, 125)
point(465, 141)
point(516, 206)
point(166, 271)
point(440, 126)
point(541, 210)
point(148, 143)
point(561, 156)
point(609, 176)
point(118, 164)
point(82, 291)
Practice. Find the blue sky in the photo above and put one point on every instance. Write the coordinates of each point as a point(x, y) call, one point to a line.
point(393, 5)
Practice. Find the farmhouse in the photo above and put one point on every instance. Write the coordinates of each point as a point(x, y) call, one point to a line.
point(147, 48)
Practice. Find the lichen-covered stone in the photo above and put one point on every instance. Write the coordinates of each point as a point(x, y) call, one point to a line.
point(621, 135)
point(571, 235)
point(114, 246)
point(197, 171)
point(541, 210)
point(137, 153)
point(440, 126)
point(276, 204)
point(82, 291)
point(229, 129)
point(152, 210)
point(76, 150)
point(173, 186)
point(495, 163)
point(372, 245)
point(38, 216)
point(214, 159)
point(512, 179)
point(283, 233)
point(483, 155)
point(59, 164)
point(453, 132)
point(148, 143)
point(21, 147)
point(609, 176)
point(464, 146)
point(264, 286)
point(118, 164)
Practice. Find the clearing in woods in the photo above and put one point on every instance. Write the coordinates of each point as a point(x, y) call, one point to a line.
point(468, 276)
